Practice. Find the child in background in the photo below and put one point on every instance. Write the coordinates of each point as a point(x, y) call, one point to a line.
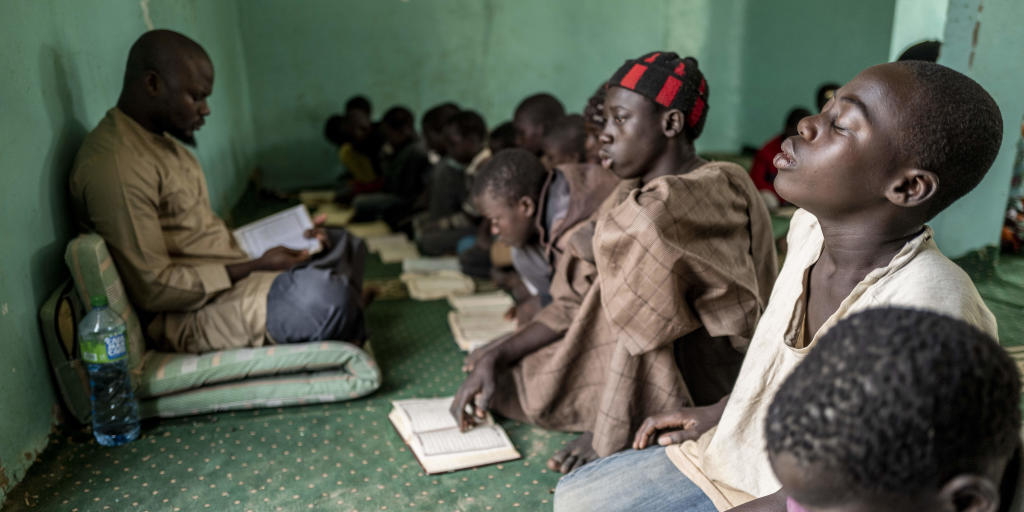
point(890, 150)
point(531, 118)
point(564, 141)
point(898, 409)
point(404, 170)
point(450, 215)
point(431, 127)
point(593, 123)
point(502, 137)
point(763, 171)
point(664, 289)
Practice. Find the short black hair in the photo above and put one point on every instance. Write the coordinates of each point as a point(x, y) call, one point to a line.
point(950, 126)
point(358, 102)
point(398, 118)
point(503, 137)
point(435, 118)
point(897, 400)
point(541, 108)
point(925, 50)
point(337, 129)
point(568, 134)
point(509, 175)
point(468, 123)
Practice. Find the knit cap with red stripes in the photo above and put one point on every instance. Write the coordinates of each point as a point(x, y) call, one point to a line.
point(671, 82)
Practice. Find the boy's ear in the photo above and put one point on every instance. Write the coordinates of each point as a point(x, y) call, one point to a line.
point(970, 493)
point(527, 206)
point(913, 187)
point(672, 123)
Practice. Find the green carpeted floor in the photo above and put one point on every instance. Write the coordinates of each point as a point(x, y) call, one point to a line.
point(342, 456)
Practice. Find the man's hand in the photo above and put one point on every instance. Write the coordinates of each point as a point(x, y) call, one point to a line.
point(474, 396)
point(318, 231)
point(281, 258)
point(686, 424)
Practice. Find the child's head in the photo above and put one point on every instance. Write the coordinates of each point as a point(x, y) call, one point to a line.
point(897, 409)
point(341, 129)
point(593, 123)
point(655, 104)
point(502, 137)
point(907, 137)
point(359, 103)
point(531, 118)
point(398, 126)
point(506, 191)
point(564, 141)
point(433, 122)
point(464, 136)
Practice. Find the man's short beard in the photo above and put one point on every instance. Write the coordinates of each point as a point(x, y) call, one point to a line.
point(188, 140)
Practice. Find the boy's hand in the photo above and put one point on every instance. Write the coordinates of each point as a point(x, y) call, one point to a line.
point(282, 258)
point(686, 424)
point(474, 396)
point(318, 231)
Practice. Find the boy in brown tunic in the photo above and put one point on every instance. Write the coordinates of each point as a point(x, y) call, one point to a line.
point(663, 297)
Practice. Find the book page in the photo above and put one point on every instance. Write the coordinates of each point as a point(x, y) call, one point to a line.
point(428, 414)
point(282, 228)
point(492, 302)
point(451, 441)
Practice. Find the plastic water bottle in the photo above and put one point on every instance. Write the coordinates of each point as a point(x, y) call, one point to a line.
point(115, 413)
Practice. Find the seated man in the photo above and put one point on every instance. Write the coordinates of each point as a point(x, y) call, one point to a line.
point(868, 172)
point(658, 294)
point(534, 212)
point(139, 188)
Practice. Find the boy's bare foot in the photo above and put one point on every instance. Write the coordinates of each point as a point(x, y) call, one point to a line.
point(575, 454)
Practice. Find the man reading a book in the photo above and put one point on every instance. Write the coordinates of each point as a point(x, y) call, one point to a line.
point(135, 184)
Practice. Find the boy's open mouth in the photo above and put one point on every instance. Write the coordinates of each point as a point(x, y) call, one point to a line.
point(606, 159)
point(785, 159)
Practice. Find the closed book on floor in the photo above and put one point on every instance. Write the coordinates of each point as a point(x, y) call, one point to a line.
point(435, 440)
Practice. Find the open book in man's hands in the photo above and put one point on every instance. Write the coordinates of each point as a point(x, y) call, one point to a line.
point(434, 437)
point(286, 227)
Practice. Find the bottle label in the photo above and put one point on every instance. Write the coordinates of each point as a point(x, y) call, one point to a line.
point(109, 349)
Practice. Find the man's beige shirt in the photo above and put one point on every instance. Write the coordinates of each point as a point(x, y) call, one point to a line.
point(730, 462)
point(146, 195)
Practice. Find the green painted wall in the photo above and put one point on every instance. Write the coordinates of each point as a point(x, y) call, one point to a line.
point(62, 65)
point(484, 54)
point(305, 61)
point(793, 46)
point(987, 44)
point(915, 21)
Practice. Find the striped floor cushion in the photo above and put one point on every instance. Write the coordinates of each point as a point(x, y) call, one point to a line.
point(169, 384)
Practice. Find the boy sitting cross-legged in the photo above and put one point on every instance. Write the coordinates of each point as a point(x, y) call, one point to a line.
point(891, 149)
point(898, 409)
point(657, 296)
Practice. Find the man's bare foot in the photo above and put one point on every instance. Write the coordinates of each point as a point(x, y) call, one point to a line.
point(575, 454)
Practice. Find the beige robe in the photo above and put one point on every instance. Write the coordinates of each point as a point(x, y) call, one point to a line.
point(671, 275)
point(730, 462)
point(146, 195)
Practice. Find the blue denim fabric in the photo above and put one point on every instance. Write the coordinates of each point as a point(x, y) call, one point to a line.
point(630, 480)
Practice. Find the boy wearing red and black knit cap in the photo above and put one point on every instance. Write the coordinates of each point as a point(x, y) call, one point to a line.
point(681, 261)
